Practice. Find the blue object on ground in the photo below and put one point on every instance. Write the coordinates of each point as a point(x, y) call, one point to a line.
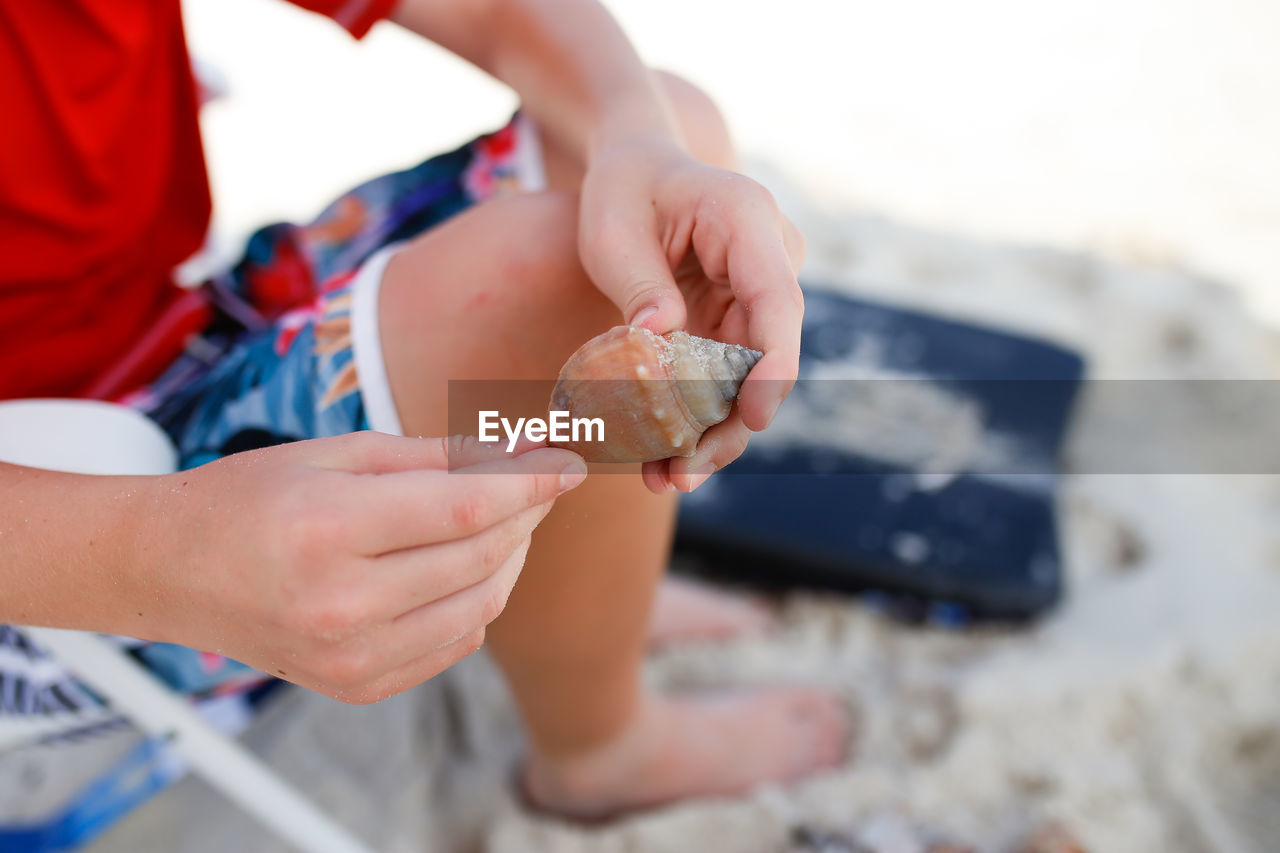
point(969, 533)
point(109, 789)
point(141, 773)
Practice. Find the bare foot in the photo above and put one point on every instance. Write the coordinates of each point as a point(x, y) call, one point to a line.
point(685, 747)
point(686, 610)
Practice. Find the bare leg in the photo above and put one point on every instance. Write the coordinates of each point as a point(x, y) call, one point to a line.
point(682, 610)
point(497, 292)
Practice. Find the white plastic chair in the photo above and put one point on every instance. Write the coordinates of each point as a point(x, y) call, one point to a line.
point(101, 438)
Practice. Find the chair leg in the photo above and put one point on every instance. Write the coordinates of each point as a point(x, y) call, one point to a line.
point(223, 762)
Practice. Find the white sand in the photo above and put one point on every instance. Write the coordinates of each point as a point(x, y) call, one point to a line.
point(1144, 715)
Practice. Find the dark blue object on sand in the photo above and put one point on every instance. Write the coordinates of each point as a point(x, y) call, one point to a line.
point(916, 461)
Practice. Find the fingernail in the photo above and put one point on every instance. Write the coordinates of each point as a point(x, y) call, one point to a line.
point(699, 475)
point(572, 475)
point(644, 314)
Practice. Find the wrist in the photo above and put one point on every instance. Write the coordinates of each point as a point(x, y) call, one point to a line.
point(115, 555)
point(143, 522)
point(637, 153)
point(70, 551)
point(628, 125)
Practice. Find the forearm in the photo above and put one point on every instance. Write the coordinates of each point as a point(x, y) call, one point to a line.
point(572, 66)
point(70, 550)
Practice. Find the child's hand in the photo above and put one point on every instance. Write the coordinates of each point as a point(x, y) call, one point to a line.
point(357, 566)
point(677, 244)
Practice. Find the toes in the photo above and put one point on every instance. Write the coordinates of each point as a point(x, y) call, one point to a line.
point(758, 617)
point(733, 615)
point(825, 729)
point(837, 733)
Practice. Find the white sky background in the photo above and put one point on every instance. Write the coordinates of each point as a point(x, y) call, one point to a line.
point(1145, 128)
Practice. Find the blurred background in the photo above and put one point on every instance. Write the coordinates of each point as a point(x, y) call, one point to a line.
point(1102, 174)
point(1146, 129)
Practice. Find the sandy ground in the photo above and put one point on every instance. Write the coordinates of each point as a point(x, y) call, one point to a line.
point(1144, 715)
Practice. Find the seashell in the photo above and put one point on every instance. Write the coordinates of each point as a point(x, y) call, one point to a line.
point(656, 394)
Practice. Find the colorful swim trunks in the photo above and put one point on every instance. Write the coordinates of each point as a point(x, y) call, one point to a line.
point(292, 352)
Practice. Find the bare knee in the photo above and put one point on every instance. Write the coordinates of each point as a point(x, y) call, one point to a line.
point(538, 235)
point(534, 269)
point(703, 127)
point(496, 292)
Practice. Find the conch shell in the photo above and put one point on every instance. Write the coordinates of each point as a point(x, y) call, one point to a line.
point(656, 394)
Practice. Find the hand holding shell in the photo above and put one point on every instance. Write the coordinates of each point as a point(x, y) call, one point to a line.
point(656, 394)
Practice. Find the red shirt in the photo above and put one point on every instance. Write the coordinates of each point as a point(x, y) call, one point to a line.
point(102, 179)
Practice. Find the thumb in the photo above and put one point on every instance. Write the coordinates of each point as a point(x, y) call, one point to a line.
point(638, 280)
point(377, 453)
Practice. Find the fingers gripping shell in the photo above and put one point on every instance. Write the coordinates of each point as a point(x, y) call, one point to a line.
point(656, 394)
